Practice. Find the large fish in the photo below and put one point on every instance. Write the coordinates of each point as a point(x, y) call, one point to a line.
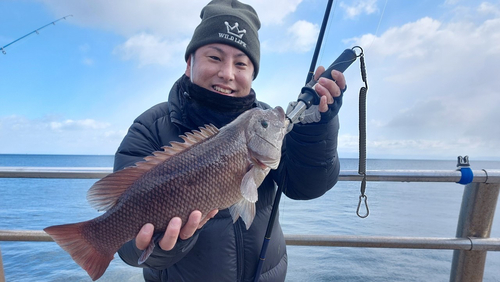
point(211, 169)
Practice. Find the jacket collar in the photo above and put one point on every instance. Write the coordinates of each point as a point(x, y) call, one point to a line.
point(190, 110)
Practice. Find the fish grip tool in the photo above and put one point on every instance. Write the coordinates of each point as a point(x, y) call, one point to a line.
point(308, 95)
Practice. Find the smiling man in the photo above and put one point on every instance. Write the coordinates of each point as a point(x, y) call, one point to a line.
point(223, 59)
point(221, 68)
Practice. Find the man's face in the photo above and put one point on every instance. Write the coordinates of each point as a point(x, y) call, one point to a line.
point(222, 69)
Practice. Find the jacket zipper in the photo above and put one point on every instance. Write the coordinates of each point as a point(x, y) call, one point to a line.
point(240, 255)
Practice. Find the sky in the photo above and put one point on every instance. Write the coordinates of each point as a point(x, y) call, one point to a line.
point(77, 85)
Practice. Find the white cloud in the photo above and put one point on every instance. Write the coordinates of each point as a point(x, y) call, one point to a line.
point(434, 86)
point(358, 7)
point(300, 37)
point(409, 40)
point(84, 48)
point(160, 17)
point(273, 12)
point(488, 8)
point(77, 125)
point(150, 49)
point(303, 36)
point(165, 18)
point(55, 135)
point(157, 31)
point(88, 61)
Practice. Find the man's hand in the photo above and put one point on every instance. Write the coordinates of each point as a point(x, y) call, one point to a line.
point(327, 89)
point(173, 231)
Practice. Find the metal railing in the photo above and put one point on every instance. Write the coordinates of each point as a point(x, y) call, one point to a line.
point(471, 244)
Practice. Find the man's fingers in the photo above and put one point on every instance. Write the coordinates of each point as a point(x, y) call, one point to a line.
point(319, 71)
point(169, 239)
point(339, 79)
point(209, 216)
point(173, 231)
point(323, 104)
point(144, 236)
point(191, 225)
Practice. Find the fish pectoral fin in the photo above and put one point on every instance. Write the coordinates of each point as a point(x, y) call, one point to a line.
point(243, 209)
point(251, 182)
point(149, 250)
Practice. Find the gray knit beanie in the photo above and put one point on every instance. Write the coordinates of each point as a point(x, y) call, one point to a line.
point(228, 22)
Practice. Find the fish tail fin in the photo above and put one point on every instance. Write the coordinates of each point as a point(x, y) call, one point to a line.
point(88, 256)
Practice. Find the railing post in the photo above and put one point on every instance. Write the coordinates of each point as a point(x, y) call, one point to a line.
point(2, 274)
point(476, 218)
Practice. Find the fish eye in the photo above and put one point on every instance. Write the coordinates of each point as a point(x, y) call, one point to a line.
point(264, 123)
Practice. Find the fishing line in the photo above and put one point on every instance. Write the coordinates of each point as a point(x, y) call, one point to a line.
point(328, 28)
point(378, 26)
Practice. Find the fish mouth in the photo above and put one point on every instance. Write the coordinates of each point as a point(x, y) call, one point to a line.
point(258, 163)
point(267, 160)
point(267, 141)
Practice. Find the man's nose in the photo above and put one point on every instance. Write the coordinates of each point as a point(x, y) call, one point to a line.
point(227, 71)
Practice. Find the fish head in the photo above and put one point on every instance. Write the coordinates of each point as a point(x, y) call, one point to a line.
point(264, 134)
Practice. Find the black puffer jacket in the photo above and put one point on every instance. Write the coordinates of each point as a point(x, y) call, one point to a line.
point(221, 250)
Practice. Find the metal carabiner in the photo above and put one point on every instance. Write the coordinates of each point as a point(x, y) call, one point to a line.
point(361, 199)
point(360, 51)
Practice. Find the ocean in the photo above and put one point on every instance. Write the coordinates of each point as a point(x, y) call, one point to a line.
point(396, 209)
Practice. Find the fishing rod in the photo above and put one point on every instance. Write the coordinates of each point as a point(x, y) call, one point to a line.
point(306, 99)
point(319, 41)
point(34, 31)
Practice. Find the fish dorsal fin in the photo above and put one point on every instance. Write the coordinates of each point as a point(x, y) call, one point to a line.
point(105, 193)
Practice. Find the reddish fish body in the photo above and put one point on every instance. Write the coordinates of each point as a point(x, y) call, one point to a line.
point(211, 170)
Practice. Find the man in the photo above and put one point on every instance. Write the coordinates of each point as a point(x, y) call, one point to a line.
point(223, 59)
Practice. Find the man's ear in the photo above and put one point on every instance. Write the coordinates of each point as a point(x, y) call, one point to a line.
point(188, 66)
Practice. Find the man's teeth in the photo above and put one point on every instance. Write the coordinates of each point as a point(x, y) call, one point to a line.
point(220, 89)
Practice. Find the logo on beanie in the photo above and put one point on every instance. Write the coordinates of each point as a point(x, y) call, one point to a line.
point(230, 30)
point(234, 33)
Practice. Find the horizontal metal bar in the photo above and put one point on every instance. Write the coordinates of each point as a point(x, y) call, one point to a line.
point(55, 172)
point(468, 244)
point(480, 176)
point(25, 236)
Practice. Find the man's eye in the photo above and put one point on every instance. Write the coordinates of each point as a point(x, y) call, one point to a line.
point(214, 58)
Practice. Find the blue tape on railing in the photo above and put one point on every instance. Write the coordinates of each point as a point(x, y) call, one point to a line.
point(467, 175)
